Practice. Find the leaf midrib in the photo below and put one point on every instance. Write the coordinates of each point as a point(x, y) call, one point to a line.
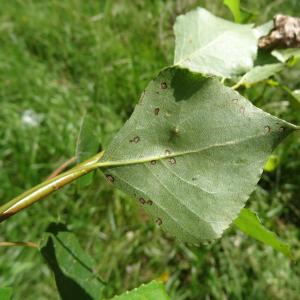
point(174, 154)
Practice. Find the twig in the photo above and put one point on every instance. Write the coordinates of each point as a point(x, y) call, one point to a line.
point(22, 244)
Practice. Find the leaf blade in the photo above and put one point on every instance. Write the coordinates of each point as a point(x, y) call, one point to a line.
point(185, 152)
point(213, 45)
point(151, 291)
point(71, 266)
point(260, 73)
point(249, 223)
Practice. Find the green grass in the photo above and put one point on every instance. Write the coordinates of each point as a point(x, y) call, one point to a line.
point(60, 59)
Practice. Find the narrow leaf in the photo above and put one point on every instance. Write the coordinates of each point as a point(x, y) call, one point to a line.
point(192, 152)
point(151, 291)
point(260, 73)
point(234, 6)
point(87, 145)
point(72, 267)
point(211, 45)
point(5, 293)
point(284, 55)
point(249, 223)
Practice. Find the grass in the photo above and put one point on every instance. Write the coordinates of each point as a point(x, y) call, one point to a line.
point(62, 59)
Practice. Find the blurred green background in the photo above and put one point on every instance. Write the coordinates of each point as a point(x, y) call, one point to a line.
point(62, 58)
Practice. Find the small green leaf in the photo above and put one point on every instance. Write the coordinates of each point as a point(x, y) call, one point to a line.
point(296, 95)
point(211, 45)
point(234, 6)
point(249, 223)
point(272, 163)
point(260, 73)
point(72, 267)
point(192, 152)
point(264, 29)
point(285, 55)
point(87, 145)
point(5, 293)
point(151, 291)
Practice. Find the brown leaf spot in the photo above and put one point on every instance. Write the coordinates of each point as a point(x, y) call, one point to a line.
point(172, 160)
point(156, 111)
point(158, 221)
point(235, 101)
point(135, 140)
point(142, 200)
point(167, 152)
point(110, 178)
point(164, 85)
point(153, 162)
point(267, 129)
point(150, 202)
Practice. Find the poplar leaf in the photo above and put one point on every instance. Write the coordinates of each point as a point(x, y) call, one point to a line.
point(211, 45)
point(192, 152)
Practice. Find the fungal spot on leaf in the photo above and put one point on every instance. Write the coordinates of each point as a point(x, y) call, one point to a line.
point(158, 221)
point(172, 160)
point(267, 129)
point(142, 200)
point(153, 162)
point(164, 85)
point(135, 140)
point(150, 202)
point(235, 101)
point(156, 111)
point(242, 110)
point(110, 178)
point(157, 92)
point(167, 152)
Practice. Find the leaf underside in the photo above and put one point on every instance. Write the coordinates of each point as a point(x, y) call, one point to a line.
point(192, 152)
point(211, 45)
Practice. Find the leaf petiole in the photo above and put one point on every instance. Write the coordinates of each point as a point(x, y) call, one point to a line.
point(48, 187)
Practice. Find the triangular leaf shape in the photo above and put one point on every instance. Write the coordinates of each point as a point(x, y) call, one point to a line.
point(211, 45)
point(192, 152)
